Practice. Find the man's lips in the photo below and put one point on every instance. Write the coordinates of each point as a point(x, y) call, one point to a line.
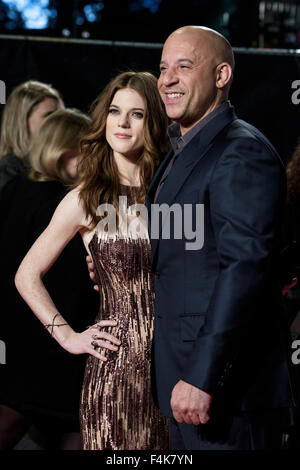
point(173, 96)
point(120, 135)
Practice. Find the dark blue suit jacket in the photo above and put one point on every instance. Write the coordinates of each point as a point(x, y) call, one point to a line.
point(219, 322)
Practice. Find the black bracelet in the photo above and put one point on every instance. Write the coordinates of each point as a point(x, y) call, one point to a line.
point(52, 325)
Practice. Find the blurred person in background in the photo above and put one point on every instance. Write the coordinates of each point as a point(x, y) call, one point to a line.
point(40, 382)
point(291, 228)
point(291, 257)
point(26, 108)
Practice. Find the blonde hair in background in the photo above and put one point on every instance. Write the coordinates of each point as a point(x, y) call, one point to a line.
point(14, 135)
point(59, 133)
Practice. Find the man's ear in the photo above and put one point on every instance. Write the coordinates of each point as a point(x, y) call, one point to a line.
point(224, 75)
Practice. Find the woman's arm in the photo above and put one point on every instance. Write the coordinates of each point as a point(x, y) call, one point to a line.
point(67, 220)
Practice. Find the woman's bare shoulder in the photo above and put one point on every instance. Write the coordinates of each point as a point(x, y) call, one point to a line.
point(71, 207)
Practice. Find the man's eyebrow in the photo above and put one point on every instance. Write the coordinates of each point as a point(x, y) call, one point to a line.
point(162, 62)
point(185, 60)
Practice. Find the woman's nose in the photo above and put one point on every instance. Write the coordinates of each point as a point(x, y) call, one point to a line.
point(123, 120)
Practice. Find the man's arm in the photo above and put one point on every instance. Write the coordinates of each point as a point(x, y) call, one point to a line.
point(91, 268)
point(246, 192)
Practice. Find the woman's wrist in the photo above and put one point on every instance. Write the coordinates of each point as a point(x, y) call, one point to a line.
point(59, 329)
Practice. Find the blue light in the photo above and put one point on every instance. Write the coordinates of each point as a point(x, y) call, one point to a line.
point(151, 5)
point(80, 20)
point(12, 15)
point(35, 13)
point(10, 25)
point(99, 6)
point(89, 13)
point(35, 17)
point(92, 11)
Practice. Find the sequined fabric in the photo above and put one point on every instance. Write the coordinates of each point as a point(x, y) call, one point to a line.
point(117, 411)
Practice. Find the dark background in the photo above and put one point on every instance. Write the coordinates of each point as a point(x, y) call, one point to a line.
point(248, 23)
point(261, 91)
point(80, 67)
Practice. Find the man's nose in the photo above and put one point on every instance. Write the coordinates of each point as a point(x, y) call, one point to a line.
point(169, 77)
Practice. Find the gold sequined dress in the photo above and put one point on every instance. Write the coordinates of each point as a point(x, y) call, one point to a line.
point(117, 410)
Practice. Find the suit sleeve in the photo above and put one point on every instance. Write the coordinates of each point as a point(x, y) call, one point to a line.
point(246, 193)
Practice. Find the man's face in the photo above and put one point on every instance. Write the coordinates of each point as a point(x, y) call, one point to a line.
point(187, 82)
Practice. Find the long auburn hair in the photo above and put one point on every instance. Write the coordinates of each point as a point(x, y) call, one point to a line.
point(293, 175)
point(99, 178)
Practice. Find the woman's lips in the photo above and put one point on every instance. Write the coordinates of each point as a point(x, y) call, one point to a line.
point(122, 136)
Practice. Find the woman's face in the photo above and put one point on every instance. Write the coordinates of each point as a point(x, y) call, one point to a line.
point(70, 162)
point(125, 124)
point(40, 112)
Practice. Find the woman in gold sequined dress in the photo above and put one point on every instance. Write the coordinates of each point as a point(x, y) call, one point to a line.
point(122, 150)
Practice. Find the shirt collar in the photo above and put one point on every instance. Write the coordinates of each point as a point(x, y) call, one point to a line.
point(179, 141)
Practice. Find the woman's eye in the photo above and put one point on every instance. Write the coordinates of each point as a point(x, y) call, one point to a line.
point(138, 115)
point(113, 111)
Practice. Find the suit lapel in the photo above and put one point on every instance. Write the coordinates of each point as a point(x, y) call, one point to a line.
point(188, 158)
point(154, 183)
point(193, 152)
point(157, 177)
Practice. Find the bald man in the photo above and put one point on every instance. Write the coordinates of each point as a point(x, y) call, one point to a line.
point(220, 336)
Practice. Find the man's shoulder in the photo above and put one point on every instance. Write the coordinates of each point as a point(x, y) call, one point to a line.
point(240, 132)
point(239, 128)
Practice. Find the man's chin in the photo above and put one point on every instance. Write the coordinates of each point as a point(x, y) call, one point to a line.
point(176, 117)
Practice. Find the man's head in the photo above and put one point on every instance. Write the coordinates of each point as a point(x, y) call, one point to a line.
point(196, 74)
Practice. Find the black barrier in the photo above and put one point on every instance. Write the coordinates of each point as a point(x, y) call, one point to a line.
point(265, 91)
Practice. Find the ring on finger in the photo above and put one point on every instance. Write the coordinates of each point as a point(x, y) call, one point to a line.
point(94, 344)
